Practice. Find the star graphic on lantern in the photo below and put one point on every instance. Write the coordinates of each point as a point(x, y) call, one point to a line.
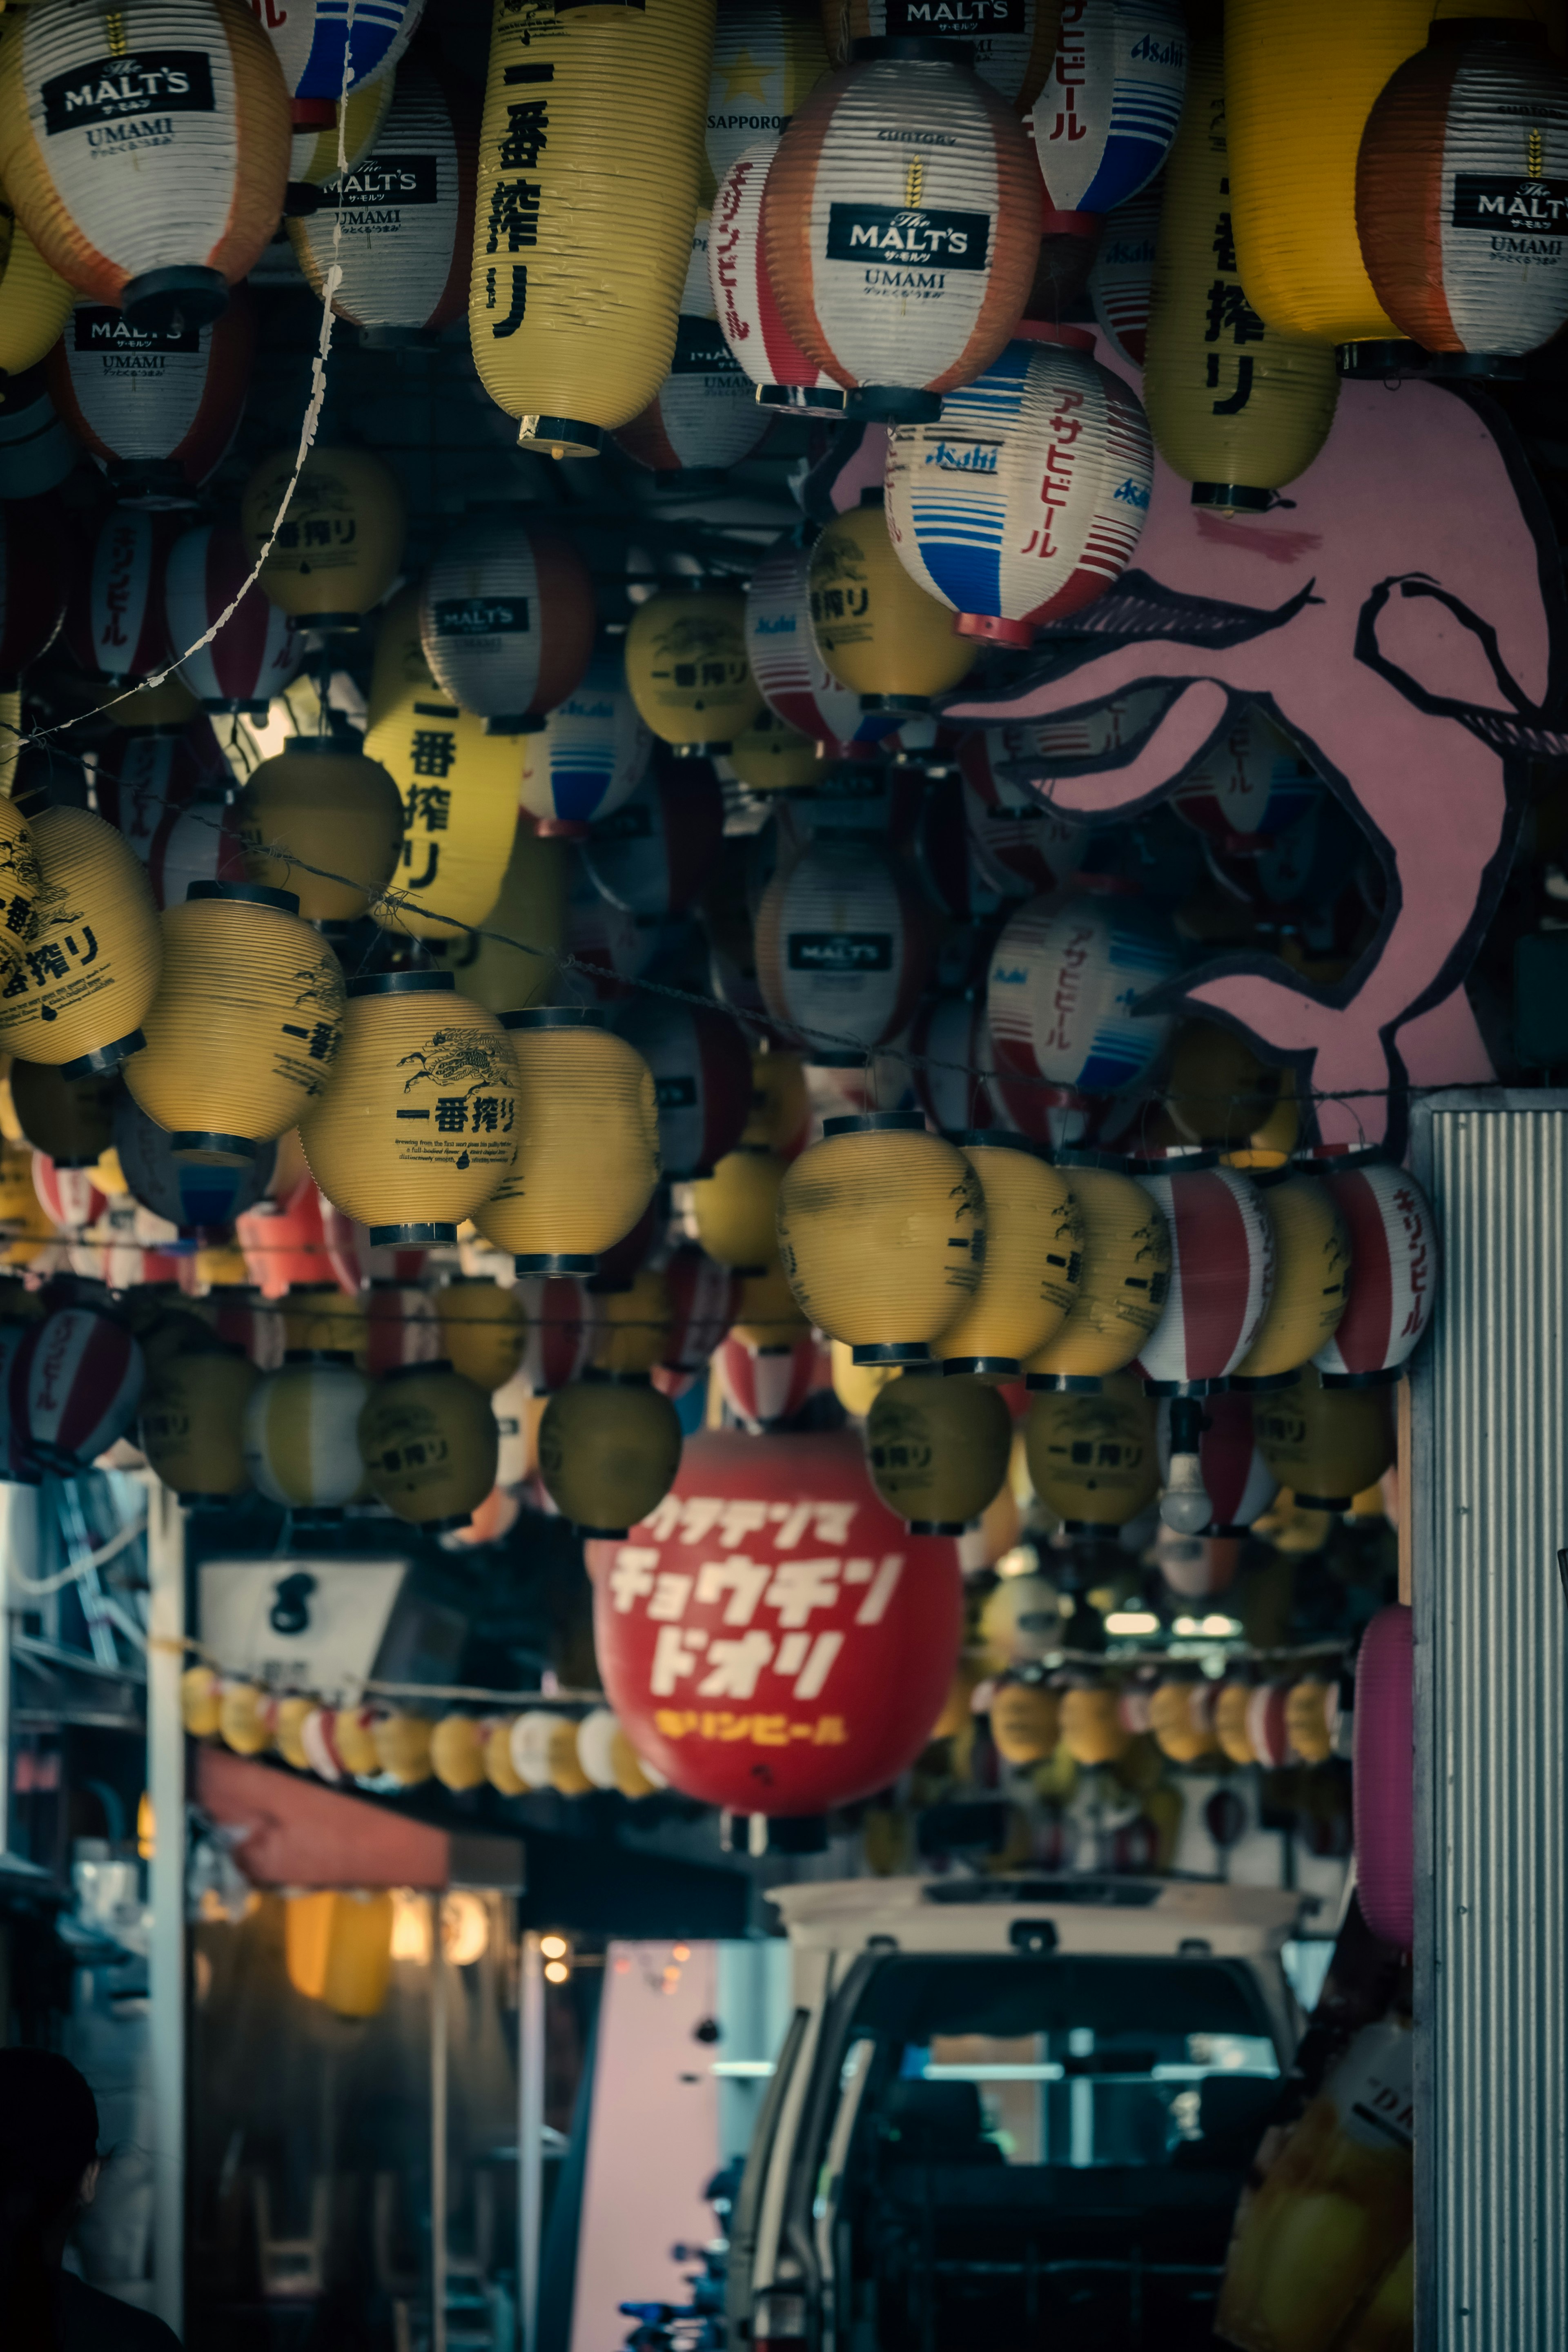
point(745, 78)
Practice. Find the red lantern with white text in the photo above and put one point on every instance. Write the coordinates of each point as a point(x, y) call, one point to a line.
point(746, 306)
point(1395, 1266)
point(257, 651)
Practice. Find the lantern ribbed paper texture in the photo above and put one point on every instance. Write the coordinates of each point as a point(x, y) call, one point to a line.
point(701, 1070)
point(1221, 1273)
point(1033, 1263)
point(159, 404)
point(608, 1451)
point(767, 55)
point(1066, 977)
point(592, 752)
point(160, 219)
point(1252, 783)
point(882, 1228)
point(428, 1440)
point(841, 947)
point(1010, 49)
point(482, 1331)
point(1311, 1281)
point(402, 217)
point(193, 1422)
point(704, 415)
point(314, 158)
point(76, 1385)
point(90, 970)
point(301, 1434)
point(532, 911)
point(326, 46)
point(115, 622)
point(582, 239)
point(1395, 1264)
point(324, 823)
point(1108, 111)
point(1459, 193)
point(1327, 1445)
point(686, 669)
point(744, 303)
point(1238, 1482)
point(1122, 278)
point(1024, 846)
point(191, 1193)
point(587, 1143)
point(795, 682)
point(1124, 1288)
point(1094, 1459)
point(900, 224)
point(562, 1322)
point(257, 652)
point(459, 814)
point(416, 1130)
point(239, 963)
point(35, 301)
point(769, 757)
point(734, 1212)
point(337, 549)
point(873, 626)
point(20, 885)
point(1026, 500)
point(72, 1119)
point(1237, 403)
point(703, 1299)
point(937, 1450)
point(507, 617)
point(950, 1046)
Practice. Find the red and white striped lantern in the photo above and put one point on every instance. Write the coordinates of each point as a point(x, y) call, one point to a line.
point(1065, 979)
point(701, 1067)
point(68, 1197)
point(115, 621)
point(506, 618)
point(1396, 1261)
point(1033, 751)
point(245, 1320)
point(1221, 1271)
point(282, 1242)
point(1026, 844)
point(704, 416)
point(197, 844)
point(1252, 784)
point(398, 224)
point(144, 775)
point(842, 946)
point(563, 1318)
point(1237, 1481)
point(1267, 1735)
point(1383, 1780)
point(258, 650)
point(765, 1387)
point(951, 1066)
point(901, 225)
point(158, 406)
point(1123, 273)
point(704, 1300)
point(355, 1261)
point(794, 680)
point(401, 1327)
point(744, 303)
point(653, 854)
point(34, 581)
point(80, 1375)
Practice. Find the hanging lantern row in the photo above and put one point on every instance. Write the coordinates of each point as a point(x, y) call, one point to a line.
point(1194, 1722)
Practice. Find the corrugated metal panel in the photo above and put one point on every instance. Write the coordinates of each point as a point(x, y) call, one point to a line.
point(1491, 1431)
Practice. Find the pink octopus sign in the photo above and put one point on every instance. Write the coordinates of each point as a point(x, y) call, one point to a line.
point(1399, 612)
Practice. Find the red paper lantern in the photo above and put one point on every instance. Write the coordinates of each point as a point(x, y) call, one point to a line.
point(1383, 1778)
point(766, 1386)
point(158, 405)
point(704, 1300)
point(282, 1242)
point(749, 315)
point(562, 1323)
point(115, 621)
point(68, 1196)
point(79, 1382)
point(258, 650)
point(772, 1637)
point(1222, 1270)
point(1394, 1265)
point(401, 1327)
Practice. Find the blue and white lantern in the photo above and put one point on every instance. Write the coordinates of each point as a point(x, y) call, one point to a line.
point(1026, 498)
point(1104, 121)
point(593, 753)
point(793, 679)
point(1253, 784)
point(1067, 976)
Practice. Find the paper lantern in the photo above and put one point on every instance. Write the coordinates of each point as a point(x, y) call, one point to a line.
point(1181, 1717)
point(578, 213)
point(72, 1119)
point(686, 668)
point(1121, 280)
point(316, 142)
point(561, 1321)
point(90, 970)
point(704, 416)
point(142, 775)
point(418, 1127)
point(458, 784)
point(1217, 1091)
point(882, 1228)
point(256, 653)
point(192, 1415)
point(1238, 407)
point(1025, 500)
point(22, 887)
point(1383, 1777)
point(1032, 1266)
point(402, 1744)
point(766, 57)
point(654, 853)
point(1222, 1274)
point(587, 1143)
point(324, 823)
point(325, 48)
point(1311, 1284)
point(937, 1450)
point(71, 1198)
point(1026, 846)
point(744, 303)
point(873, 626)
point(704, 1299)
point(764, 1383)
point(428, 1440)
point(320, 1319)
point(188, 1195)
point(769, 757)
point(593, 753)
point(115, 620)
point(795, 681)
point(949, 1052)
point(198, 845)
point(74, 1387)
point(902, 177)
point(767, 1313)
point(702, 1069)
point(1251, 784)
point(1092, 1730)
point(1326, 1444)
point(33, 581)
point(1066, 978)
point(300, 1433)
point(506, 616)
point(398, 224)
point(1110, 101)
point(35, 301)
point(734, 1211)
point(1395, 1262)
point(336, 546)
point(1238, 1482)
point(158, 404)
point(482, 1331)
point(1094, 1458)
point(832, 1713)
point(201, 1697)
point(237, 956)
point(781, 1115)
point(240, 1722)
point(608, 1450)
point(634, 1323)
point(511, 963)
point(1311, 1718)
point(841, 947)
point(162, 215)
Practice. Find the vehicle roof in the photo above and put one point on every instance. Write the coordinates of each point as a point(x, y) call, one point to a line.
point(1150, 1916)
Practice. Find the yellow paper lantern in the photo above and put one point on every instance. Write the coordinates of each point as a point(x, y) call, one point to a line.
point(1311, 1279)
point(635, 1325)
point(608, 1451)
point(483, 1330)
point(91, 967)
point(429, 1443)
point(882, 1228)
point(734, 1212)
point(200, 1702)
point(72, 1119)
point(857, 1386)
point(1217, 1090)
point(1231, 1703)
point(337, 548)
point(287, 1730)
point(1026, 1722)
point(1093, 1732)
point(586, 1156)
point(768, 1314)
point(1125, 1280)
point(193, 1421)
point(686, 669)
point(1033, 1262)
point(769, 757)
point(634, 1778)
point(320, 1319)
point(240, 965)
point(21, 881)
point(26, 1227)
point(418, 1127)
point(582, 242)
point(1325, 1445)
point(301, 1433)
point(458, 1752)
point(1181, 1717)
point(242, 1719)
point(781, 1104)
point(1093, 1457)
point(354, 1737)
point(35, 301)
point(937, 1450)
point(1242, 410)
point(500, 1771)
point(1311, 1718)
point(402, 1744)
point(877, 632)
point(325, 824)
point(510, 964)
point(337, 1949)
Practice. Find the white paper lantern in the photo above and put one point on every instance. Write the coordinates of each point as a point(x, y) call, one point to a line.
point(158, 405)
point(704, 415)
point(1066, 978)
point(744, 303)
point(506, 618)
point(257, 652)
point(593, 753)
point(841, 948)
point(796, 683)
point(1108, 109)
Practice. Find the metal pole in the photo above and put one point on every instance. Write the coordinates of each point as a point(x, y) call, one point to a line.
point(166, 1949)
point(530, 2138)
point(437, 2132)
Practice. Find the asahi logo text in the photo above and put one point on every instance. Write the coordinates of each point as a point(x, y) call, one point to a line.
point(885, 233)
point(155, 81)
